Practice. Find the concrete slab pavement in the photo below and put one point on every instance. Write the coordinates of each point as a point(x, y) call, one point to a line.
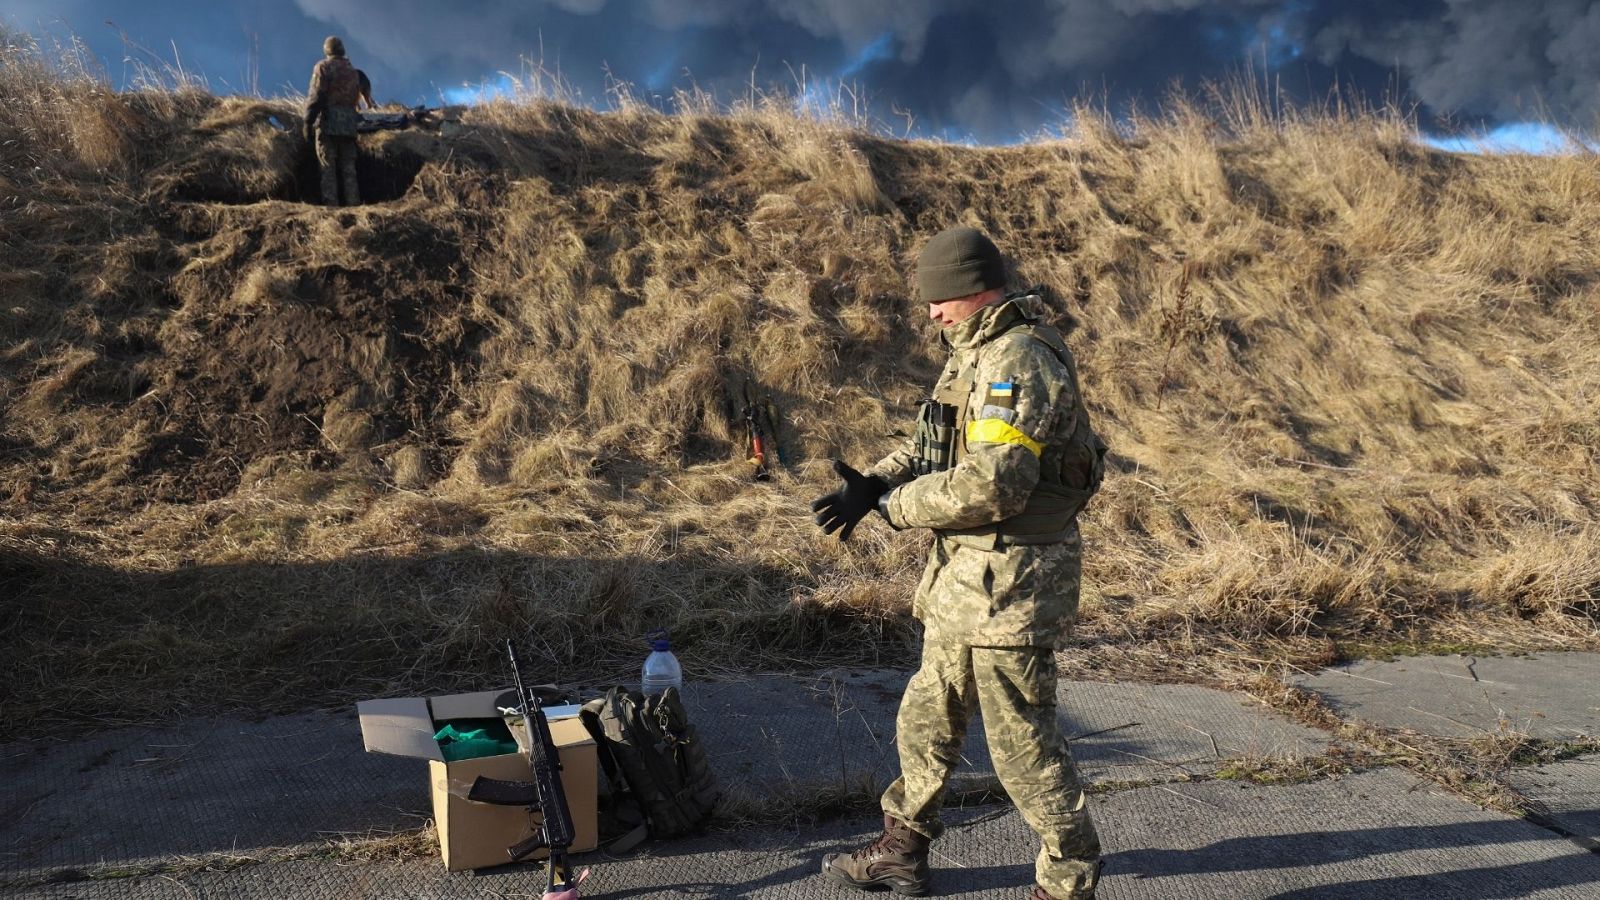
point(134, 796)
point(1567, 792)
point(1549, 695)
point(1378, 834)
point(1371, 835)
point(137, 797)
point(836, 730)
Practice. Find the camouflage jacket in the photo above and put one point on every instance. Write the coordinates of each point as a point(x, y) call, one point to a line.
point(980, 588)
point(331, 100)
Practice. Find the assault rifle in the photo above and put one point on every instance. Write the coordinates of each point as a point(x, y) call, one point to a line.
point(395, 121)
point(544, 794)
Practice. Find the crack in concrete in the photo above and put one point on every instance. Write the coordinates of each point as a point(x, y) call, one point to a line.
point(1446, 762)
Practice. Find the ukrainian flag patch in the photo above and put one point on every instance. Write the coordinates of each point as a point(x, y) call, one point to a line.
point(1002, 394)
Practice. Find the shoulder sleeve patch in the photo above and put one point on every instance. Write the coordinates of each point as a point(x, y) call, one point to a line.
point(1004, 414)
point(1002, 394)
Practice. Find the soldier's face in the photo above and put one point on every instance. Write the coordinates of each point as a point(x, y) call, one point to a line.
point(959, 309)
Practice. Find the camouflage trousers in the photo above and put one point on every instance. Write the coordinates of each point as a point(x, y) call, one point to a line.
point(1016, 689)
point(337, 158)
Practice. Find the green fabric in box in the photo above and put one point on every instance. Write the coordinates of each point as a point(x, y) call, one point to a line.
point(473, 738)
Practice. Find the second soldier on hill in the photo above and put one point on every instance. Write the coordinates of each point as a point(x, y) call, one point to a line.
point(332, 122)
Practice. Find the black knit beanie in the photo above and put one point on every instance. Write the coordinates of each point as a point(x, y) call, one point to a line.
point(958, 262)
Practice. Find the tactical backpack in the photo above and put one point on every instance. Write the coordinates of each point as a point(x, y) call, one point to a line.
point(660, 779)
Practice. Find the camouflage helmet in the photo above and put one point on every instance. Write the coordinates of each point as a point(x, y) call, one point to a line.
point(333, 46)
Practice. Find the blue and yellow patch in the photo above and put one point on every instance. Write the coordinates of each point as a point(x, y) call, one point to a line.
point(1002, 394)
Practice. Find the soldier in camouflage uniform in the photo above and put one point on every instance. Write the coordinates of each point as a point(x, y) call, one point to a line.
point(1002, 461)
point(332, 120)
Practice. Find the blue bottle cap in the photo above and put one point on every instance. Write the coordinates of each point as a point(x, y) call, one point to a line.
point(658, 640)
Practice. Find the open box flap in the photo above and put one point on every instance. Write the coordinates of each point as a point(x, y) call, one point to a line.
point(401, 727)
point(565, 732)
point(479, 705)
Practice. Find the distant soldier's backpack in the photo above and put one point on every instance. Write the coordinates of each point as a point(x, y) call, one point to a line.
point(654, 762)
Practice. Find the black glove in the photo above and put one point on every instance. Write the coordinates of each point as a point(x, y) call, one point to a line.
point(842, 509)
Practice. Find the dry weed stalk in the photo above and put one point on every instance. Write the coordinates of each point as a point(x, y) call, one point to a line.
point(1178, 322)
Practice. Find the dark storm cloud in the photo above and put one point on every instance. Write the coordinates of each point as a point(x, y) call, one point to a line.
point(992, 69)
point(1497, 58)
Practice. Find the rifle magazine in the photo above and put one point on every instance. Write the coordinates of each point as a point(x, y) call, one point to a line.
point(504, 793)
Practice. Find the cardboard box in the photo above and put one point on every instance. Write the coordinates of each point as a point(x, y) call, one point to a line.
point(476, 835)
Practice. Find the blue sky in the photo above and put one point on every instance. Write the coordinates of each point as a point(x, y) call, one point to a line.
point(1517, 137)
point(959, 69)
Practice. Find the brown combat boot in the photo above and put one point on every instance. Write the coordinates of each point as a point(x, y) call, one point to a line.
point(897, 860)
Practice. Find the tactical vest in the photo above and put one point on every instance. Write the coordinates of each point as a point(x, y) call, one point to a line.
point(1068, 475)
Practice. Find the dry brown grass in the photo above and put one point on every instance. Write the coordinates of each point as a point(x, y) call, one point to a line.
point(260, 453)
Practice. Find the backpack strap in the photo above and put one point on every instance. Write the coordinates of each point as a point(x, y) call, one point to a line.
point(623, 805)
point(589, 714)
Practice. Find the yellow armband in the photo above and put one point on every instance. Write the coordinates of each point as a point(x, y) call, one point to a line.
point(996, 431)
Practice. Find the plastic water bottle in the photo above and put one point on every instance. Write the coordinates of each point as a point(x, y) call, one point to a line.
point(661, 669)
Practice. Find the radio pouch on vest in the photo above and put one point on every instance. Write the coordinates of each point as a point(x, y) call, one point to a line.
point(934, 442)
